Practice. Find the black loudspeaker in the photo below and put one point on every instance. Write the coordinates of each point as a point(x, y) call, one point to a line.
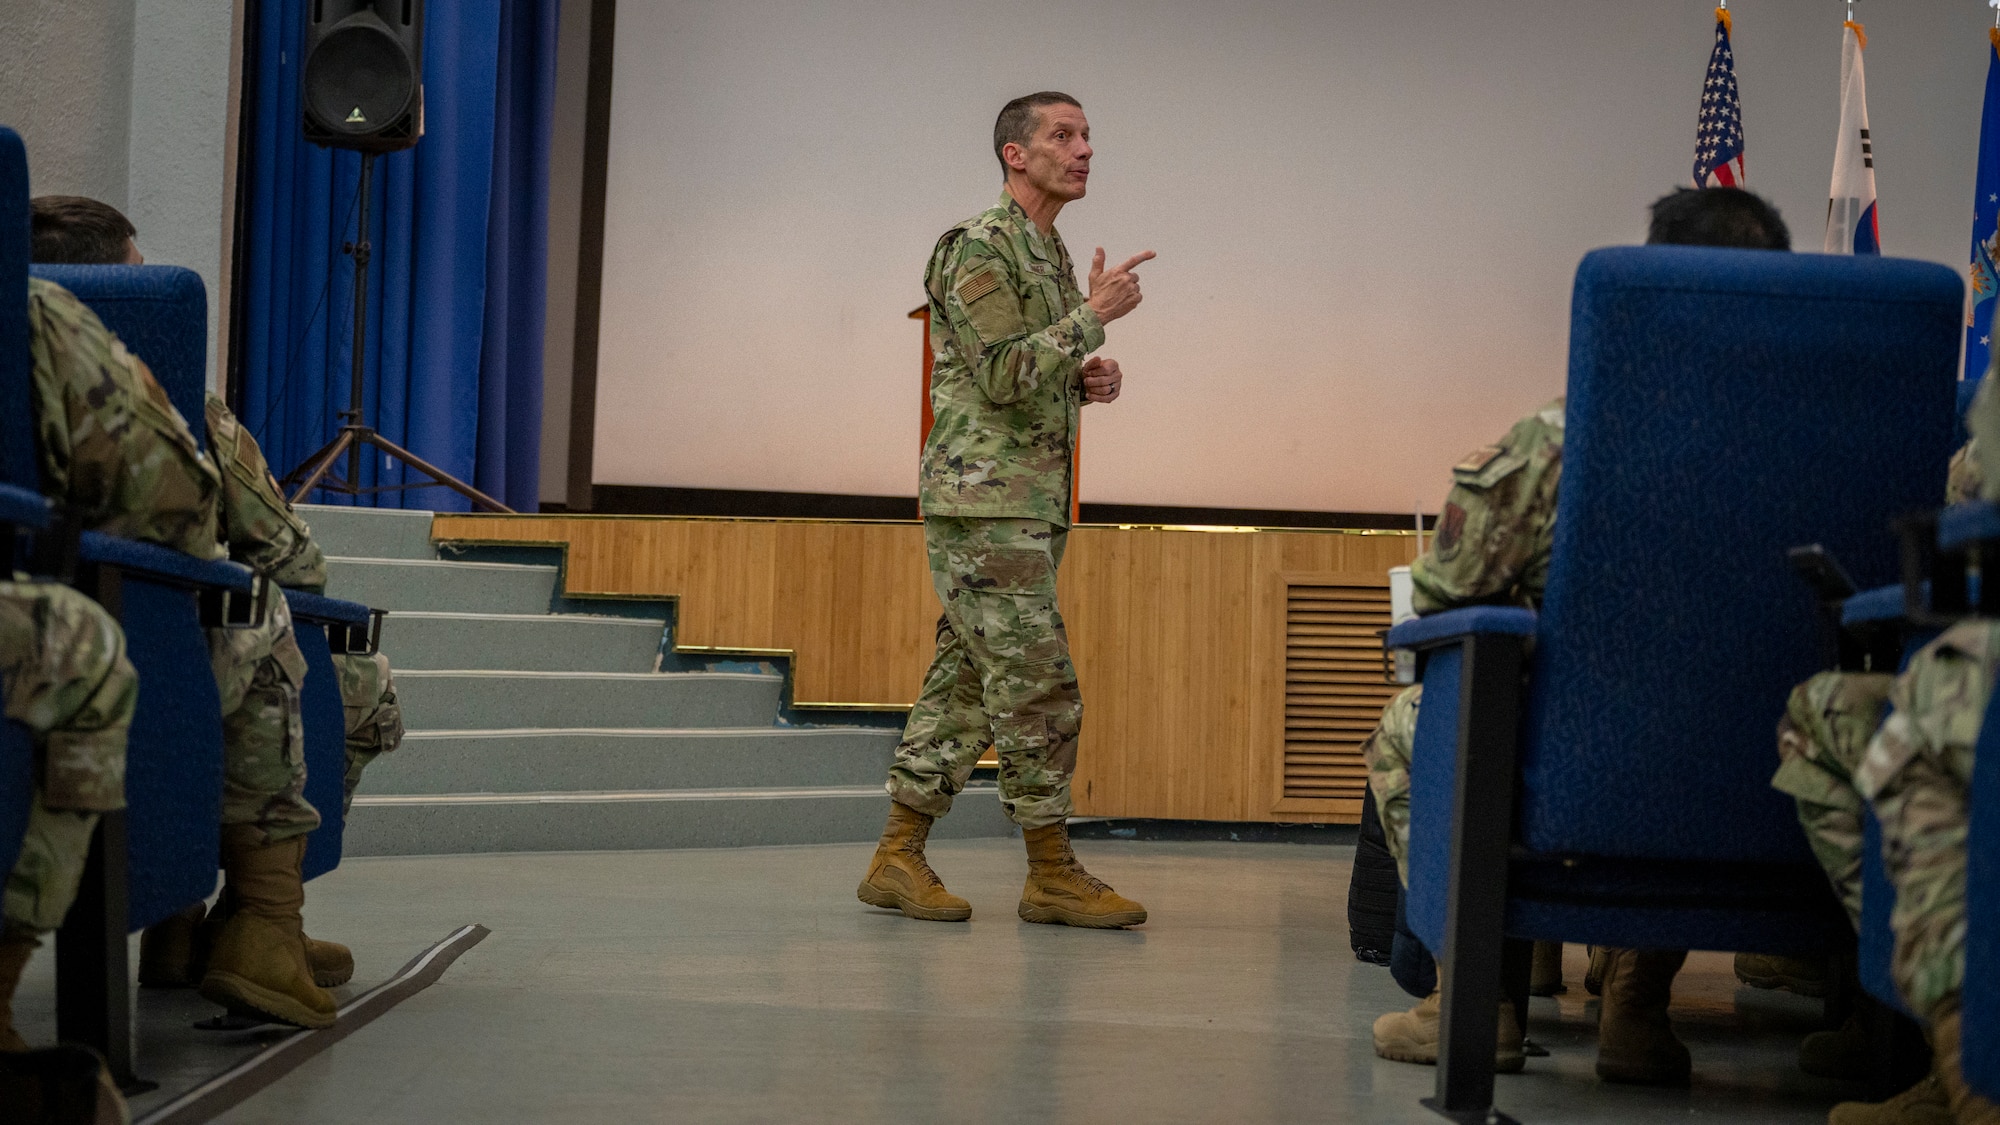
point(364, 74)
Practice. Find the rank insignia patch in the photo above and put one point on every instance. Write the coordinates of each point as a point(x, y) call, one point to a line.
point(1478, 459)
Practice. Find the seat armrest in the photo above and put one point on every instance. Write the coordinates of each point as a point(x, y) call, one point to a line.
point(165, 565)
point(23, 507)
point(322, 610)
point(1968, 524)
point(1455, 625)
point(1881, 606)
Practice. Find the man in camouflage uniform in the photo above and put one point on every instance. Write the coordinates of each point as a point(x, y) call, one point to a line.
point(1492, 546)
point(66, 679)
point(1012, 337)
point(118, 457)
point(259, 529)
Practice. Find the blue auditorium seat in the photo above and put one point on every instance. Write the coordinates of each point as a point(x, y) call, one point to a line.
point(313, 618)
point(1724, 405)
point(150, 309)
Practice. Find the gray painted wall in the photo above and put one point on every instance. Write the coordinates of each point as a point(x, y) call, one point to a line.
point(66, 87)
point(128, 101)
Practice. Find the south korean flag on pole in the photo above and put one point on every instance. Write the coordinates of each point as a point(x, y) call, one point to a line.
point(1850, 206)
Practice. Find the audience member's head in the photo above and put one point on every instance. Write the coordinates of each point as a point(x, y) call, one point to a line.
point(69, 230)
point(1718, 216)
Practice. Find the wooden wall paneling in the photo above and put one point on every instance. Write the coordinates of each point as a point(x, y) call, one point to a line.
point(1177, 633)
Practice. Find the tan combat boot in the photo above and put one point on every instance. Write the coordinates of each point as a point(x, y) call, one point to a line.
point(1060, 892)
point(1593, 977)
point(1922, 1104)
point(258, 965)
point(1839, 1053)
point(900, 878)
point(1545, 977)
point(1967, 1108)
point(332, 963)
point(1793, 974)
point(167, 954)
point(1635, 1041)
point(16, 946)
point(1412, 1036)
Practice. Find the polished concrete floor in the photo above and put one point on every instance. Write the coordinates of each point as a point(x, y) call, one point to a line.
point(748, 985)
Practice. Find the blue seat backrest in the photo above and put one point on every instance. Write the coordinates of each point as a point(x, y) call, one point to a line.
point(173, 773)
point(17, 426)
point(1724, 406)
point(326, 748)
point(161, 315)
point(1980, 1000)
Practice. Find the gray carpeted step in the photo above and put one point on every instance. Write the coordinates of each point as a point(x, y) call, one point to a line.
point(689, 818)
point(526, 761)
point(468, 700)
point(446, 587)
point(524, 642)
point(370, 533)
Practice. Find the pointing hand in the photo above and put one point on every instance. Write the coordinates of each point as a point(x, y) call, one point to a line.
point(1115, 292)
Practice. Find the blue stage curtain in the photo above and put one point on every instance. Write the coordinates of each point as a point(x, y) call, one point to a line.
point(457, 286)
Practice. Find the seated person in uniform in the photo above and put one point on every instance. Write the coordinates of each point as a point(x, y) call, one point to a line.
point(1492, 546)
point(261, 530)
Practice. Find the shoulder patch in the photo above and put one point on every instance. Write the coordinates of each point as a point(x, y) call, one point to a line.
point(979, 285)
point(1478, 459)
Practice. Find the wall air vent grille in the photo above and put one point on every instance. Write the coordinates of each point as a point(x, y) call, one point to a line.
point(1334, 689)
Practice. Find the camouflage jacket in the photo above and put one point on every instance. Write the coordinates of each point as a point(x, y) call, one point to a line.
point(1493, 537)
point(113, 450)
point(1009, 333)
point(259, 527)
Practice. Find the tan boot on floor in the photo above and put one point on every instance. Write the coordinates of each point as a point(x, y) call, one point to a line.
point(1922, 1104)
point(1840, 1053)
point(1967, 1108)
point(1635, 1041)
point(332, 963)
point(16, 946)
point(1593, 977)
point(900, 878)
point(1545, 978)
point(1060, 892)
point(167, 956)
point(1412, 1036)
point(1793, 974)
point(258, 964)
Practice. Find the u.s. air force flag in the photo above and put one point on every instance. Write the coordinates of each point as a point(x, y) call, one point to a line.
point(1985, 224)
point(1850, 205)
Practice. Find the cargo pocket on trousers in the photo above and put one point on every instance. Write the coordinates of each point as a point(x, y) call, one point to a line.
point(1021, 734)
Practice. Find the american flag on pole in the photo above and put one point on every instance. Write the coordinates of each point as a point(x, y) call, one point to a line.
point(1718, 141)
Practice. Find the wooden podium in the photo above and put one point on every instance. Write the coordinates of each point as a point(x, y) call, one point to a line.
point(923, 313)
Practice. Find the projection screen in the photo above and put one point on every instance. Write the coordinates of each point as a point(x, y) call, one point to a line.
point(1367, 216)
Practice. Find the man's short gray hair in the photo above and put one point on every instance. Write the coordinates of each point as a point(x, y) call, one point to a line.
point(1019, 118)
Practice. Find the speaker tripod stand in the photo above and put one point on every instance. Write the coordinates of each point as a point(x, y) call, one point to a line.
point(355, 434)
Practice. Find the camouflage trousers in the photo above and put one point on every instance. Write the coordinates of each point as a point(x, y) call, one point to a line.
point(1828, 722)
point(374, 718)
point(1387, 755)
point(259, 673)
point(62, 660)
point(1917, 772)
point(1002, 674)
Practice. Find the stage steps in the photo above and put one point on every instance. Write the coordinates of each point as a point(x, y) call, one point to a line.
point(536, 727)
